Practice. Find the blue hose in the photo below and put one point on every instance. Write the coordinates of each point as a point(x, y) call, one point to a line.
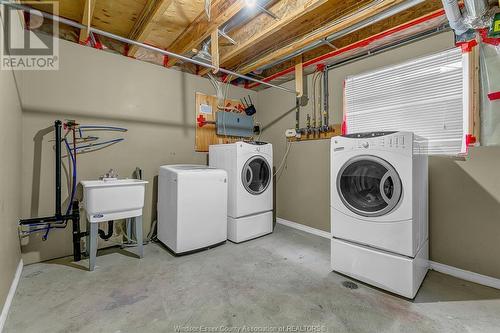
point(73, 190)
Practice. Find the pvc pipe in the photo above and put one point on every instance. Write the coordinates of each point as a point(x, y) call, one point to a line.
point(139, 44)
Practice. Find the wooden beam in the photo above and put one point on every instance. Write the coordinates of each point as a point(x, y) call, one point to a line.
point(474, 120)
point(214, 47)
point(413, 13)
point(264, 26)
point(220, 12)
point(145, 22)
point(316, 35)
point(88, 14)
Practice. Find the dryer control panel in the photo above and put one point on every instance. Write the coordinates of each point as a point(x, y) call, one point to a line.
point(374, 140)
point(367, 134)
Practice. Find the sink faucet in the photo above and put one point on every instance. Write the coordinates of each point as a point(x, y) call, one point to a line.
point(111, 174)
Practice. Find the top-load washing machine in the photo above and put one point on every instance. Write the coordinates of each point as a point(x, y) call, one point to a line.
point(192, 207)
point(379, 209)
point(249, 166)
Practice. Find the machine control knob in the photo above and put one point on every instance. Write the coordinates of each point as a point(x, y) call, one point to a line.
point(365, 144)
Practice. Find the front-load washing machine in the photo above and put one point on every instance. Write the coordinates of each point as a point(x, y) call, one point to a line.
point(249, 166)
point(379, 209)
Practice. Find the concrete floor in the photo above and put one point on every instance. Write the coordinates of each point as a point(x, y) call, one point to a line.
point(280, 279)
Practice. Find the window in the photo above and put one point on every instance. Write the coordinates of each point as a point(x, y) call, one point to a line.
point(428, 96)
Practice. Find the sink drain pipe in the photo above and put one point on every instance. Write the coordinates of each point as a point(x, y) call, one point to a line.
point(108, 235)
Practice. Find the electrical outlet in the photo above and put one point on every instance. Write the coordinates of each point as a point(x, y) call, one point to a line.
point(290, 133)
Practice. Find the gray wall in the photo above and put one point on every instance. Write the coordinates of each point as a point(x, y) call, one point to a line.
point(10, 178)
point(464, 196)
point(157, 105)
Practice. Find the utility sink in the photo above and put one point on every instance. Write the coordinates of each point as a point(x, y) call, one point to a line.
point(113, 199)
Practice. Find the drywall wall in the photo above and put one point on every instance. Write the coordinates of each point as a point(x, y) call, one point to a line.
point(10, 175)
point(465, 211)
point(464, 196)
point(156, 104)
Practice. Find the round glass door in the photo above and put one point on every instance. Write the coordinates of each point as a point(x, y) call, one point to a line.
point(256, 175)
point(369, 186)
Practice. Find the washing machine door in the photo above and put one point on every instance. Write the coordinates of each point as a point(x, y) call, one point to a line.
point(369, 186)
point(256, 175)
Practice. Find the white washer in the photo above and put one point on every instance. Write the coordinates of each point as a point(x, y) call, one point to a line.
point(249, 166)
point(192, 207)
point(379, 209)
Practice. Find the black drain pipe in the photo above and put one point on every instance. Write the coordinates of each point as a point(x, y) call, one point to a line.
point(107, 236)
point(58, 218)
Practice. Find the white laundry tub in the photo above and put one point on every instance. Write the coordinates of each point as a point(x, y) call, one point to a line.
point(106, 200)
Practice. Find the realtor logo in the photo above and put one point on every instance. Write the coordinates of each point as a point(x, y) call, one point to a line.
point(29, 41)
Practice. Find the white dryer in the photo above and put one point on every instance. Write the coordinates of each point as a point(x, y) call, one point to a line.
point(379, 214)
point(249, 166)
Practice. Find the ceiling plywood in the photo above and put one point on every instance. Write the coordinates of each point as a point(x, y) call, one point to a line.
point(70, 9)
point(172, 23)
point(301, 26)
point(117, 16)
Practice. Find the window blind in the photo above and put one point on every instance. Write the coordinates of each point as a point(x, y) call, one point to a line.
point(427, 96)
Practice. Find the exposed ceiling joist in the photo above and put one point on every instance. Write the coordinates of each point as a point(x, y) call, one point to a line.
point(88, 14)
point(264, 26)
point(318, 34)
point(220, 12)
point(425, 8)
point(215, 49)
point(145, 22)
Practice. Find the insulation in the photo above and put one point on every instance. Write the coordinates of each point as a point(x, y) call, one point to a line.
point(426, 96)
point(490, 93)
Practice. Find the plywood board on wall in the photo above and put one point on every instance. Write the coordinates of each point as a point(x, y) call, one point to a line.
point(205, 136)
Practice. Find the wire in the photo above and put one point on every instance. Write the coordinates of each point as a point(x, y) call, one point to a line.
point(285, 157)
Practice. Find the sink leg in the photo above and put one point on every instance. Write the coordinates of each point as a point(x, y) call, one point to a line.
point(92, 245)
point(128, 223)
point(87, 240)
point(138, 236)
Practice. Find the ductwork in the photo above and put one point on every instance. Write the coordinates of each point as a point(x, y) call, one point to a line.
point(476, 16)
point(454, 16)
point(477, 13)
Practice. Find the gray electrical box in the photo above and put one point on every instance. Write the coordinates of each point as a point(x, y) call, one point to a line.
point(234, 124)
